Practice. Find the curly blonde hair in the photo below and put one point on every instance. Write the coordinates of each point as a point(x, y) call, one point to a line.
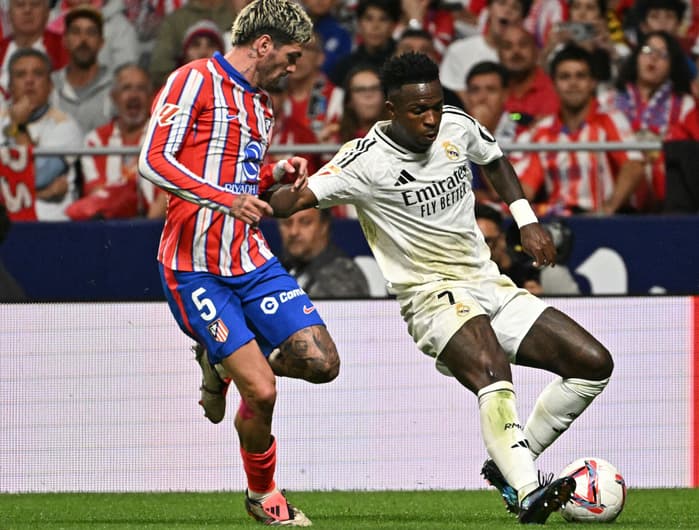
point(284, 20)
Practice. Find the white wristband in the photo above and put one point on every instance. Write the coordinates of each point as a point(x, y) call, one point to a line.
point(278, 172)
point(522, 213)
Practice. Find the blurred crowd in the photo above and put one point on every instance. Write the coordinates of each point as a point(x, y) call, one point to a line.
point(76, 74)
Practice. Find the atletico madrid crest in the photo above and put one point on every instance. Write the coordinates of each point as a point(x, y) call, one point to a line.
point(218, 330)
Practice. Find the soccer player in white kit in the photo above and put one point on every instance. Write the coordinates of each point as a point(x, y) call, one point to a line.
point(410, 182)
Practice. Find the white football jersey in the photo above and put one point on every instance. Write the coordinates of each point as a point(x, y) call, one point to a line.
point(416, 209)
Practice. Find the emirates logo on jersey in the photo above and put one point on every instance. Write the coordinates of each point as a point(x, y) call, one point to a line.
point(451, 150)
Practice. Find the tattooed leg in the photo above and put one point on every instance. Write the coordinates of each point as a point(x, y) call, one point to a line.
point(309, 354)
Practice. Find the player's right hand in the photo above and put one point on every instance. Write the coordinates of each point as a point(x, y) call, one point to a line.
point(537, 242)
point(249, 209)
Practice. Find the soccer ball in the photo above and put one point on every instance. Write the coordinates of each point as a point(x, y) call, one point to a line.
point(600, 491)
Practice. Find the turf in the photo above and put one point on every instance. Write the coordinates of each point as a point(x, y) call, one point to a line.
point(440, 510)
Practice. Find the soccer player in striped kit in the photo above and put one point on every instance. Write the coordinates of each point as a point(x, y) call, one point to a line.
point(210, 129)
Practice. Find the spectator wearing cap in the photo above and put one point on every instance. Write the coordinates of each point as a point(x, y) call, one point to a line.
point(201, 41)
point(121, 43)
point(82, 87)
point(28, 20)
point(168, 42)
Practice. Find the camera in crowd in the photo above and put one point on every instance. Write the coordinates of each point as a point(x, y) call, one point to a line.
point(579, 31)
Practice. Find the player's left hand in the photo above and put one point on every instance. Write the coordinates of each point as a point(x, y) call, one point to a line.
point(298, 166)
point(537, 242)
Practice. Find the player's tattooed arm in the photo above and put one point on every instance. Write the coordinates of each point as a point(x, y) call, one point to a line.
point(309, 354)
point(502, 176)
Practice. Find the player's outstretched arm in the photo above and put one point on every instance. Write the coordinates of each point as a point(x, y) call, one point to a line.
point(286, 200)
point(536, 240)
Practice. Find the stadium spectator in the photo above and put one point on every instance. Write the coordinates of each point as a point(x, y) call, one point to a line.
point(660, 15)
point(654, 92)
point(579, 181)
point(120, 44)
point(226, 289)
point(419, 40)
point(28, 19)
point(170, 35)
point(530, 91)
point(32, 119)
point(431, 16)
point(310, 112)
point(112, 187)
point(663, 15)
point(363, 102)
point(82, 86)
point(201, 41)
point(587, 27)
point(486, 93)
point(458, 308)
point(322, 269)
point(376, 22)
point(337, 40)
point(462, 54)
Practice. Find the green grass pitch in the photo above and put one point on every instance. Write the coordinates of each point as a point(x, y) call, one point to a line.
point(439, 510)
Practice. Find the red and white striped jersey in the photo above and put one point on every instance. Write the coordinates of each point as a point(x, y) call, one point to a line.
point(108, 170)
point(575, 179)
point(208, 134)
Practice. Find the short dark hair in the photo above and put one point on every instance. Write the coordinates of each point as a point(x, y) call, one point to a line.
point(680, 74)
point(409, 33)
point(391, 7)
point(488, 67)
point(85, 11)
point(526, 6)
point(601, 5)
point(483, 211)
point(572, 52)
point(29, 52)
point(643, 6)
point(407, 69)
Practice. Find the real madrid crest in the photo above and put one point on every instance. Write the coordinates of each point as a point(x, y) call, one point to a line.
point(451, 150)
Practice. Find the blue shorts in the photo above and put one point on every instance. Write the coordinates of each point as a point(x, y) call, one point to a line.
point(225, 312)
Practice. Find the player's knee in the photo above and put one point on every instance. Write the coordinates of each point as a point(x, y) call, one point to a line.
point(600, 364)
point(325, 367)
point(262, 399)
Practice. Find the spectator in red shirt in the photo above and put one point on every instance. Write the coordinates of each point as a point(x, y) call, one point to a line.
point(579, 181)
point(310, 111)
point(530, 91)
point(112, 185)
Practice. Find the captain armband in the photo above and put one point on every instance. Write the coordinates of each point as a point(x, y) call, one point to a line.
point(522, 213)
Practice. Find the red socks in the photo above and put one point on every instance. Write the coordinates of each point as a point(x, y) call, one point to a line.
point(259, 468)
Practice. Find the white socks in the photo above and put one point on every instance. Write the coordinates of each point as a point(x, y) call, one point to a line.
point(504, 438)
point(558, 405)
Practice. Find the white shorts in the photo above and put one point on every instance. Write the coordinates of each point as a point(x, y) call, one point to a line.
point(439, 309)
